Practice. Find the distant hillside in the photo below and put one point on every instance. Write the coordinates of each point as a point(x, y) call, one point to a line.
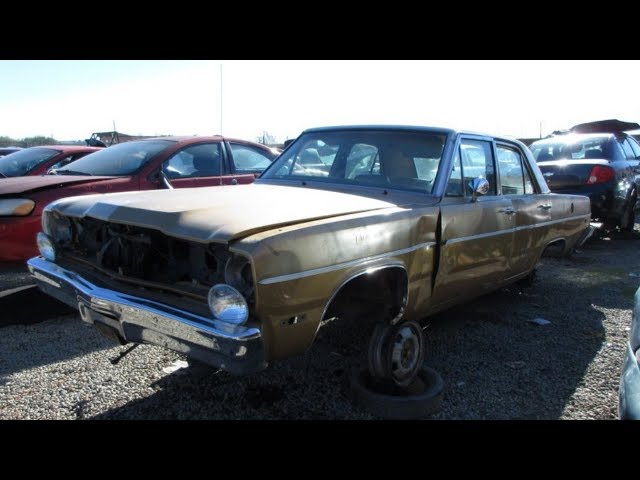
point(29, 141)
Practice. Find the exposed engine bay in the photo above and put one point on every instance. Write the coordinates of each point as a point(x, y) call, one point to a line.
point(149, 258)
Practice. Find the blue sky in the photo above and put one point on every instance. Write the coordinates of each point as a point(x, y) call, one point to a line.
point(70, 99)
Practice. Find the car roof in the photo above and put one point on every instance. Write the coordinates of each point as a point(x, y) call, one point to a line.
point(411, 128)
point(195, 138)
point(568, 137)
point(66, 148)
point(605, 126)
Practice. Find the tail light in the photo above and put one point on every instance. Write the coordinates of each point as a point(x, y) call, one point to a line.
point(600, 174)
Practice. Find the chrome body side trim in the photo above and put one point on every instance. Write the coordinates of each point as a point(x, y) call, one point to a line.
point(341, 266)
point(516, 229)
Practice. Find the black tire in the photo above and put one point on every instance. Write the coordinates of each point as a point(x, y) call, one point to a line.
point(422, 397)
point(628, 220)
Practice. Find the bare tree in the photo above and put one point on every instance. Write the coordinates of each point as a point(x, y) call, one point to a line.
point(266, 138)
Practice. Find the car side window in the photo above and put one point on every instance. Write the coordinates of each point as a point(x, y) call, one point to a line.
point(477, 161)
point(63, 161)
point(634, 146)
point(247, 159)
point(628, 151)
point(363, 159)
point(203, 160)
point(514, 177)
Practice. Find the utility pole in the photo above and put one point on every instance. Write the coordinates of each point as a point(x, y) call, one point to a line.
point(220, 99)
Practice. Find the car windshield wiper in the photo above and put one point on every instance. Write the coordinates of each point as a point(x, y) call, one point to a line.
point(2, 175)
point(69, 172)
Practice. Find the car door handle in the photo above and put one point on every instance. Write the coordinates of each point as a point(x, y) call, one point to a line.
point(546, 206)
point(507, 211)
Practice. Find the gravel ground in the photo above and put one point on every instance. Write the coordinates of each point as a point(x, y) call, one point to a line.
point(496, 364)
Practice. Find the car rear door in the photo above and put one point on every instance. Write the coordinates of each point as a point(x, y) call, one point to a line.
point(476, 235)
point(533, 210)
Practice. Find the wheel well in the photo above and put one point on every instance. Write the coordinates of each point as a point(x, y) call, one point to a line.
point(555, 248)
point(379, 294)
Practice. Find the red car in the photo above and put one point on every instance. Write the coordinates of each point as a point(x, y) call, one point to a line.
point(38, 160)
point(155, 163)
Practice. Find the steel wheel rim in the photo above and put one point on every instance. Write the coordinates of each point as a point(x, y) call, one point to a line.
point(405, 352)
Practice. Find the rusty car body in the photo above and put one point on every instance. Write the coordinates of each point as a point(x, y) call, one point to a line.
point(381, 223)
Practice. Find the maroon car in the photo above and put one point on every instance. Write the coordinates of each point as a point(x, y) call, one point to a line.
point(38, 160)
point(164, 162)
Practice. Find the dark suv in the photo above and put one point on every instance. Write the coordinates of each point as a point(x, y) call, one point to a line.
point(599, 160)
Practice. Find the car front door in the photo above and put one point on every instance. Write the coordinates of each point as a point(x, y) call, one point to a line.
point(198, 165)
point(244, 164)
point(476, 235)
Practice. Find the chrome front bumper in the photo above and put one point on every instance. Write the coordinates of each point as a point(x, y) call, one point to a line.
point(238, 350)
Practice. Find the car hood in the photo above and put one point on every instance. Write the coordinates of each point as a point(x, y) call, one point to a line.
point(219, 214)
point(17, 185)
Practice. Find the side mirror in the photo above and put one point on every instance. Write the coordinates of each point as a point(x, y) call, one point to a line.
point(165, 180)
point(162, 179)
point(479, 186)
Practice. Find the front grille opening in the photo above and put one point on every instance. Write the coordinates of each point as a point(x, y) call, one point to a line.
point(131, 252)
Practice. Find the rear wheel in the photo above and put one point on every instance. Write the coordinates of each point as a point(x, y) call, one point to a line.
point(628, 220)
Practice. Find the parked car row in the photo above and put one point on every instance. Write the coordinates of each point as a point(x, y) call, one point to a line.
point(166, 162)
point(372, 224)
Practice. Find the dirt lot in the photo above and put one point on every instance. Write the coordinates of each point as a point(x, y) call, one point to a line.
point(496, 364)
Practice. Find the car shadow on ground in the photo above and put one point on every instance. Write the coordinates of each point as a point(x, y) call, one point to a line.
point(23, 347)
point(496, 362)
point(506, 367)
point(300, 388)
point(503, 367)
point(27, 305)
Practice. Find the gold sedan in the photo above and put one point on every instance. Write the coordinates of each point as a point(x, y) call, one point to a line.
point(385, 224)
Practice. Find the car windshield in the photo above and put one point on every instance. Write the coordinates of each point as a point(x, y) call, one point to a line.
point(21, 162)
point(117, 160)
point(571, 147)
point(391, 159)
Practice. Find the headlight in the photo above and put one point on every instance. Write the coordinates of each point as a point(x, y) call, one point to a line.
point(57, 226)
point(46, 247)
point(16, 207)
point(228, 305)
